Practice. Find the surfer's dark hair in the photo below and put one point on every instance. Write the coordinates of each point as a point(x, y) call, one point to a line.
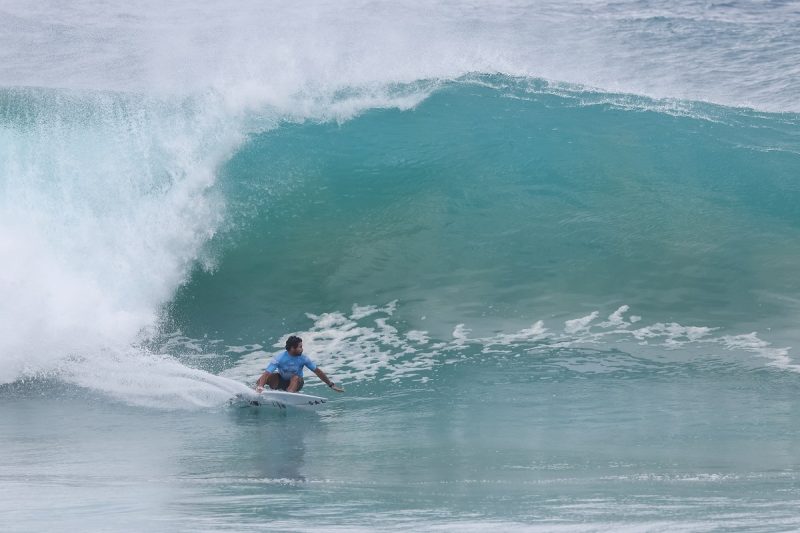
point(292, 342)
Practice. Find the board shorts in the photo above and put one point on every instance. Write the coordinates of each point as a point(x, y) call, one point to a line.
point(283, 384)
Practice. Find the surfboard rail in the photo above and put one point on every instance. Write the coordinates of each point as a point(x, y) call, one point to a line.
point(279, 399)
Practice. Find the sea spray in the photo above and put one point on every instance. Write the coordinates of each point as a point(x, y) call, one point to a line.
point(107, 201)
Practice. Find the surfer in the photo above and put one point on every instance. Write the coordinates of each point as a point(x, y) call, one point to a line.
point(285, 371)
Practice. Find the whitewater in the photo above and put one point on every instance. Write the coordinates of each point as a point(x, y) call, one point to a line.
point(549, 249)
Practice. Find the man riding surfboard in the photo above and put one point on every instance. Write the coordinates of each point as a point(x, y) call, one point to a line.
point(285, 371)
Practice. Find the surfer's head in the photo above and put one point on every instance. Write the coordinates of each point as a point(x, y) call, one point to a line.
point(294, 345)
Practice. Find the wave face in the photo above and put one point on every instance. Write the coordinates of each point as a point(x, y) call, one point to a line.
point(494, 215)
point(499, 202)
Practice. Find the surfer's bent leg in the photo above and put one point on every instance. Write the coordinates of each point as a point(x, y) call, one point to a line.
point(274, 380)
point(262, 381)
point(295, 384)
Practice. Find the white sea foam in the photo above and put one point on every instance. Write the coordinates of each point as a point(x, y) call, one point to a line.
point(136, 376)
point(580, 324)
point(106, 205)
point(354, 348)
point(364, 346)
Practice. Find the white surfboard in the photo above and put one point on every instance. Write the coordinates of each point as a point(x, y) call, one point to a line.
point(281, 399)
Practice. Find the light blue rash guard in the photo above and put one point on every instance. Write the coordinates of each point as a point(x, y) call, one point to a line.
point(290, 365)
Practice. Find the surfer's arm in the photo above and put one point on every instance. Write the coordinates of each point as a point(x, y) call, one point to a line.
point(321, 375)
point(262, 381)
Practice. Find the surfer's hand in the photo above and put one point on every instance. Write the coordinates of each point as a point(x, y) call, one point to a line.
point(259, 389)
point(337, 389)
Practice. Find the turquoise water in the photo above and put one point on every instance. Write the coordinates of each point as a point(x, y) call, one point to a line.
point(548, 250)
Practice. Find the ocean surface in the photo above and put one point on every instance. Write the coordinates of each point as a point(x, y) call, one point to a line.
point(550, 250)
